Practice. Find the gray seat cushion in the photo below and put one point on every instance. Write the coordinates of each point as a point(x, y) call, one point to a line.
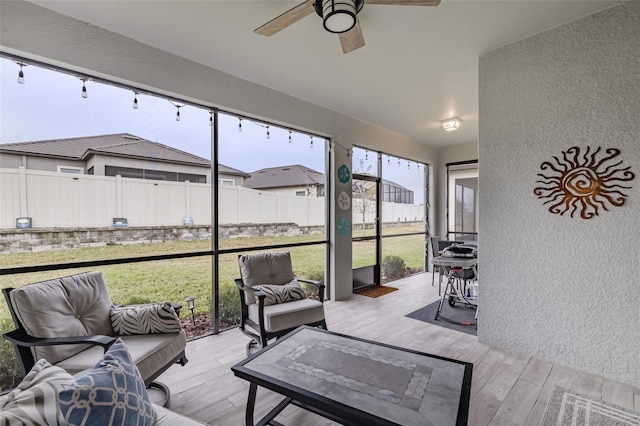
point(150, 353)
point(288, 315)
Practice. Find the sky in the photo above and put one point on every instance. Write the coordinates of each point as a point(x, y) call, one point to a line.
point(50, 106)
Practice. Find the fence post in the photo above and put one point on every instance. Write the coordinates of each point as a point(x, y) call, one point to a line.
point(119, 196)
point(187, 198)
point(22, 178)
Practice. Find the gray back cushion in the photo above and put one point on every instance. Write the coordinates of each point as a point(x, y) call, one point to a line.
point(273, 268)
point(77, 305)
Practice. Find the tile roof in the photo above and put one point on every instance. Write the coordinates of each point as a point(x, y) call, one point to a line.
point(276, 177)
point(119, 144)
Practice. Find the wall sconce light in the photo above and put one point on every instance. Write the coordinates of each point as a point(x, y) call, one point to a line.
point(191, 305)
point(451, 124)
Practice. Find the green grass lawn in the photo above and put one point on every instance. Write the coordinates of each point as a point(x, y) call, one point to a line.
point(176, 279)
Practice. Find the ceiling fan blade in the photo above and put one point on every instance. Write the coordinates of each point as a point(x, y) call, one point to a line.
point(405, 2)
point(352, 39)
point(289, 17)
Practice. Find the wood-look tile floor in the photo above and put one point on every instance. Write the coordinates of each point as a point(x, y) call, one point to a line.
point(508, 388)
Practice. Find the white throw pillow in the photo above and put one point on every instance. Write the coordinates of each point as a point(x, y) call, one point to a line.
point(35, 400)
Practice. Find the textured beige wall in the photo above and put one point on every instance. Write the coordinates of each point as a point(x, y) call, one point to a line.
point(561, 288)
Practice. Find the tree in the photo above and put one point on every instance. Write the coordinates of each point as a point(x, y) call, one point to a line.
point(364, 192)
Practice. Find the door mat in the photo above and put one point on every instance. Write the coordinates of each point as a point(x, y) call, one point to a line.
point(450, 317)
point(375, 291)
point(569, 408)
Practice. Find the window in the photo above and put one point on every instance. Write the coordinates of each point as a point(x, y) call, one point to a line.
point(301, 193)
point(402, 219)
point(183, 177)
point(246, 220)
point(71, 169)
point(462, 201)
point(130, 172)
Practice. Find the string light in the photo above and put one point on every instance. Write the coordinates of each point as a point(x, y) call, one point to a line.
point(289, 136)
point(135, 100)
point(240, 124)
point(311, 141)
point(21, 73)
point(84, 88)
point(268, 134)
point(366, 155)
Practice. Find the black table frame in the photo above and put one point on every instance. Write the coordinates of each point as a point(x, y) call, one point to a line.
point(326, 407)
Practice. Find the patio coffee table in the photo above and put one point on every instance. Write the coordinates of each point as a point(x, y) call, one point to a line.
point(357, 382)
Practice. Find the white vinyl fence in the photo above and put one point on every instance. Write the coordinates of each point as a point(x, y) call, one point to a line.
point(66, 200)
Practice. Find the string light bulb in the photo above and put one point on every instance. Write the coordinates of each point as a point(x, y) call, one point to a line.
point(135, 100)
point(398, 162)
point(289, 136)
point(408, 165)
point(268, 134)
point(211, 118)
point(178, 112)
point(366, 155)
point(311, 142)
point(84, 88)
point(388, 160)
point(240, 124)
point(21, 73)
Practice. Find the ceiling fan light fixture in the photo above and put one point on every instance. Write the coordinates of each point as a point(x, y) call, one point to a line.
point(451, 124)
point(338, 16)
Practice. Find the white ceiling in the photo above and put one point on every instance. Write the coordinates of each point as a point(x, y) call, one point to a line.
point(419, 64)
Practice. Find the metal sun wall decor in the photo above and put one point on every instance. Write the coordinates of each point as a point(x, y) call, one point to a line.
point(582, 183)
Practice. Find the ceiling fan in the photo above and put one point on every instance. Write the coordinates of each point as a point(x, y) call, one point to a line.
point(338, 16)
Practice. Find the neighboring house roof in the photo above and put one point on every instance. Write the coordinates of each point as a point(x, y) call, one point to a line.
point(119, 144)
point(277, 177)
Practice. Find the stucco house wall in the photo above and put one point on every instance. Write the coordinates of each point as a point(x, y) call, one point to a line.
point(13, 161)
point(561, 288)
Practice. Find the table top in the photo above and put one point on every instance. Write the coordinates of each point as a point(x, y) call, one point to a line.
point(362, 381)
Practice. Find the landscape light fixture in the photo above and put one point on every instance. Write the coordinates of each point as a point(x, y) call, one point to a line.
point(338, 16)
point(21, 73)
point(451, 124)
point(191, 305)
